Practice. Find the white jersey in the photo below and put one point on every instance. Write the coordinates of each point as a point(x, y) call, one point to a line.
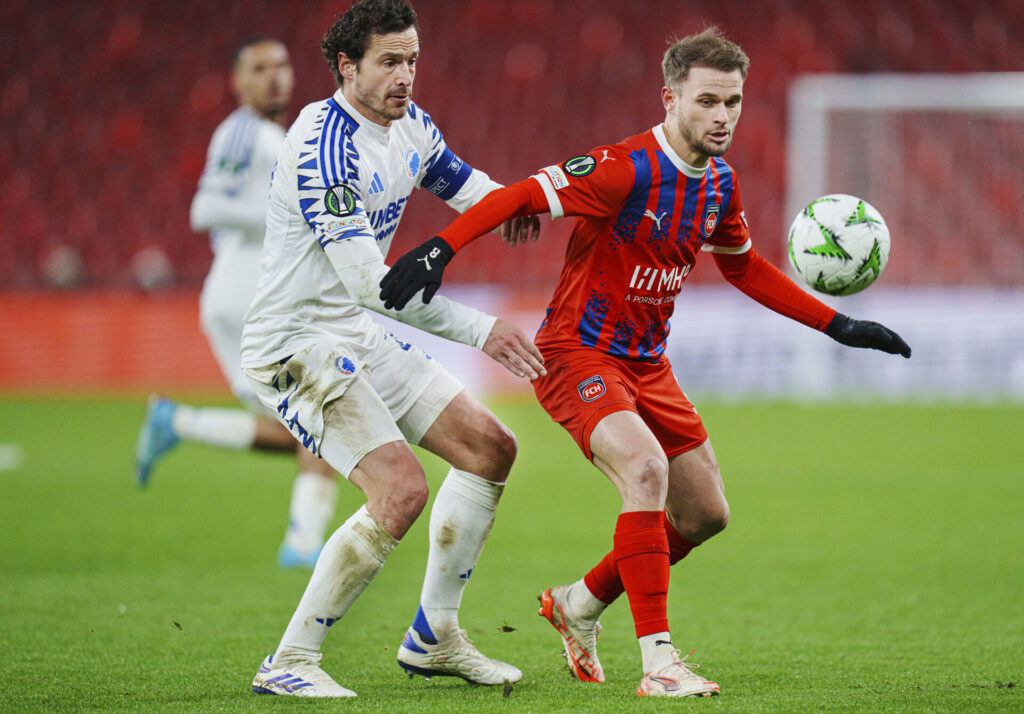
point(337, 195)
point(233, 194)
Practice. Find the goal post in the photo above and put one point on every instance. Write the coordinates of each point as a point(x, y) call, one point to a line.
point(941, 156)
point(813, 97)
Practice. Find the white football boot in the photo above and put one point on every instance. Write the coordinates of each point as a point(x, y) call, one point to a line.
point(453, 656)
point(579, 635)
point(677, 680)
point(304, 679)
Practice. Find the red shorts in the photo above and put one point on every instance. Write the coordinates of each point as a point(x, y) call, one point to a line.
point(584, 386)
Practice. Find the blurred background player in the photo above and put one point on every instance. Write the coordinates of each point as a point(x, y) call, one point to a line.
point(350, 391)
point(231, 203)
point(645, 209)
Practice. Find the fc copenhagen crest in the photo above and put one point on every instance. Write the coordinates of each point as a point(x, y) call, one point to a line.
point(340, 200)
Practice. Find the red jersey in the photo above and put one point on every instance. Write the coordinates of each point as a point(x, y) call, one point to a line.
point(642, 216)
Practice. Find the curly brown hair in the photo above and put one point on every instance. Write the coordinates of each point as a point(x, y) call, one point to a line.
point(352, 32)
point(706, 49)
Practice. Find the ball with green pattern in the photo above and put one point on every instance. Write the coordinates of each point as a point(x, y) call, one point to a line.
point(839, 244)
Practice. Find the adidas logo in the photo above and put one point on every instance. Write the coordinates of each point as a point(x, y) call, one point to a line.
point(376, 186)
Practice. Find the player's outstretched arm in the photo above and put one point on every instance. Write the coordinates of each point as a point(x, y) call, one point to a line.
point(510, 347)
point(418, 269)
point(863, 333)
point(765, 283)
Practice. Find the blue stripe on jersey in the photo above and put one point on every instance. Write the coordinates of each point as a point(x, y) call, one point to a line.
point(329, 147)
point(235, 153)
point(446, 175)
point(666, 199)
point(594, 315)
point(427, 122)
point(335, 166)
point(238, 147)
point(622, 337)
point(632, 212)
point(645, 347)
point(724, 183)
point(333, 161)
point(690, 201)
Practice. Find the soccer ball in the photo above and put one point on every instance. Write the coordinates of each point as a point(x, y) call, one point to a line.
point(839, 244)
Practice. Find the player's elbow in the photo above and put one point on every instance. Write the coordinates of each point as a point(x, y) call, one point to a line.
point(367, 296)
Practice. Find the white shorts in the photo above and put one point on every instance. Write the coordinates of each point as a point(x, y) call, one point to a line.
point(342, 405)
point(228, 291)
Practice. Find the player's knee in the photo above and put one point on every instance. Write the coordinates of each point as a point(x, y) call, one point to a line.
point(497, 449)
point(648, 478)
point(404, 504)
point(715, 518)
point(504, 445)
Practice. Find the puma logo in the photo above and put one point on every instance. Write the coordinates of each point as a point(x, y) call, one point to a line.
point(432, 254)
point(605, 156)
point(657, 219)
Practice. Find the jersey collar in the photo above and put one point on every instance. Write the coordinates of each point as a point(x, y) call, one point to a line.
point(684, 168)
point(380, 133)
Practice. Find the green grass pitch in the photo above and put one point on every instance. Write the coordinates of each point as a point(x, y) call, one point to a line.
point(875, 562)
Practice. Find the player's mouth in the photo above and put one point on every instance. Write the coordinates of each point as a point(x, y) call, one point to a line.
point(400, 98)
point(719, 137)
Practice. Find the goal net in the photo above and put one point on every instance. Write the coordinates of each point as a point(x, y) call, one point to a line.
point(942, 158)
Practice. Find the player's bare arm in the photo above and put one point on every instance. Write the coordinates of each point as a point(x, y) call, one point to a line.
point(510, 347)
point(520, 230)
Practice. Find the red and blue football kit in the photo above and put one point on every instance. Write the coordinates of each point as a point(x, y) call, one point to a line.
point(642, 218)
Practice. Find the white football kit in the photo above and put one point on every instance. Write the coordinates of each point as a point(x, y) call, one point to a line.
point(231, 203)
point(337, 196)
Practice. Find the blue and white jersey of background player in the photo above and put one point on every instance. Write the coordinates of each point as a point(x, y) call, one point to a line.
point(232, 197)
point(338, 193)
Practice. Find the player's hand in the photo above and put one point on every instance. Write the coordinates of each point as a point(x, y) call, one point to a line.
point(420, 269)
point(519, 229)
point(510, 347)
point(862, 333)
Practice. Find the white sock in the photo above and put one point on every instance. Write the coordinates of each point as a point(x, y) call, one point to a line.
point(226, 428)
point(582, 602)
point(460, 522)
point(350, 560)
point(657, 651)
point(311, 511)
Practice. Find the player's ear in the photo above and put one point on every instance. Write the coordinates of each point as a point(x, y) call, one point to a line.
point(346, 67)
point(668, 98)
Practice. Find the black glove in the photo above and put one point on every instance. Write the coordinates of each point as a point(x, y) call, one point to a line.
point(419, 269)
point(862, 333)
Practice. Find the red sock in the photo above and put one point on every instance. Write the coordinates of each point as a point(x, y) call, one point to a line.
point(641, 552)
point(604, 581)
point(678, 547)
